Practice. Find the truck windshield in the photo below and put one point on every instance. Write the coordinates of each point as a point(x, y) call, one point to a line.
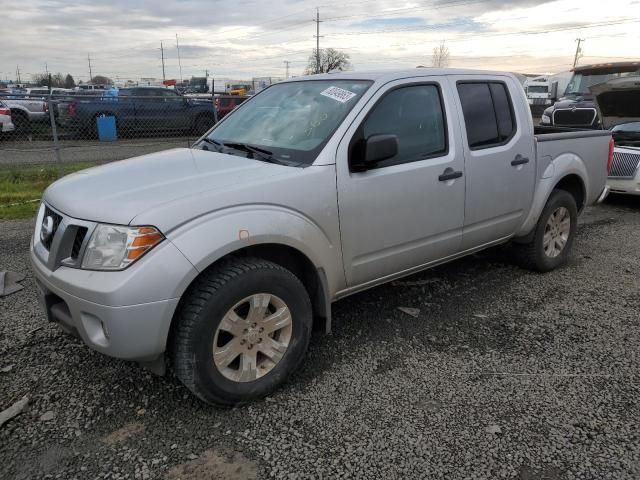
point(581, 81)
point(292, 120)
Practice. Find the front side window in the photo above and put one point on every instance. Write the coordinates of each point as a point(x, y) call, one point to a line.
point(292, 120)
point(488, 115)
point(415, 115)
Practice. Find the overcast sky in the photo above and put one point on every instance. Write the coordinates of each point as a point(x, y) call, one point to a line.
point(253, 38)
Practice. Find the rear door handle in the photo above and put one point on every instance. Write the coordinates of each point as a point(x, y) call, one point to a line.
point(519, 160)
point(449, 174)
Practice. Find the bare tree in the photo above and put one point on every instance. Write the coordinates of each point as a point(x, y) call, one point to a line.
point(42, 79)
point(330, 59)
point(441, 56)
point(101, 80)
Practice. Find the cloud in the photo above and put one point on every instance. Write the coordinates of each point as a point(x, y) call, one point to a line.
point(255, 37)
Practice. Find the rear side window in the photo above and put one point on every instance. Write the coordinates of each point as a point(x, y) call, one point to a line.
point(488, 114)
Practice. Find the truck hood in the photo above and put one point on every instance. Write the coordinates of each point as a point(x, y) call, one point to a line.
point(618, 101)
point(118, 192)
point(566, 103)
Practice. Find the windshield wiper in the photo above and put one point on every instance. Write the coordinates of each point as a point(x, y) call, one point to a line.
point(261, 153)
point(215, 143)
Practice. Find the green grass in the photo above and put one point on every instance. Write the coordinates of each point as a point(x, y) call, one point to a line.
point(21, 187)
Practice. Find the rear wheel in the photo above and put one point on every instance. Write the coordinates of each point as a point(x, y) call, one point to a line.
point(242, 329)
point(553, 237)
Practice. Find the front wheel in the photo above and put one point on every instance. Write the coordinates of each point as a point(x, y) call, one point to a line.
point(241, 330)
point(553, 236)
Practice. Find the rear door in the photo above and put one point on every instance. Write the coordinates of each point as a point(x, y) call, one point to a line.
point(499, 157)
point(402, 214)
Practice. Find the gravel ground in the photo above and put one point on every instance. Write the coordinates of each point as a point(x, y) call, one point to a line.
point(502, 374)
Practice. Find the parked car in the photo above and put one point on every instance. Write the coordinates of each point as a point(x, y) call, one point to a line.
point(618, 103)
point(226, 103)
point(576, 108)
point(26, 111)
point(44, 91)
point(139, 109)
point(316, 188)
point(6, 125)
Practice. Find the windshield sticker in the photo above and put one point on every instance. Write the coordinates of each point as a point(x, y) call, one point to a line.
point(338, 94)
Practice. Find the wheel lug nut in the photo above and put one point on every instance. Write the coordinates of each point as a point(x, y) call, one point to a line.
point(259, 340)
point(261, 329)
point(243, 341)
point(250, 346)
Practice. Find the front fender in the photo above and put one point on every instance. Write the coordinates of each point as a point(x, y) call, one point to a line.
point(562, 166)
point(209, 238)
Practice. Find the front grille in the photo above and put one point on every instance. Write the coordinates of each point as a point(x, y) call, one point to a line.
point(57, 218)
point(580, 117)
point(624, 165)
point(77, 242)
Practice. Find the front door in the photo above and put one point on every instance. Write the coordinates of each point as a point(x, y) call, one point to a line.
point(500, 157)
point(402, 213)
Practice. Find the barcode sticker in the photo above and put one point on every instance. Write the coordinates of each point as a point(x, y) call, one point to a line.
point(338, 94)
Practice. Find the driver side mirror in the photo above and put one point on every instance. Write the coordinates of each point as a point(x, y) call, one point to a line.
point(375, 149)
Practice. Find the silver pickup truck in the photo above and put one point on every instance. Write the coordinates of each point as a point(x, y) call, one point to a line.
point(221, 256)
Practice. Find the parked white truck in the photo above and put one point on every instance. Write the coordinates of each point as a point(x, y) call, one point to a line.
point(219, 257)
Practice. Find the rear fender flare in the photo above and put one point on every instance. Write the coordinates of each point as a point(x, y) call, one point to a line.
point(562, 166)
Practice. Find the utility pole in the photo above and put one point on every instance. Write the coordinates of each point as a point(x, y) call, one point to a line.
point(179, 61)
point(46, 68)
point(18, 73)
point(162, 53)
point(578, 51)
point(287, 62)
point(90, 72)
point(317, 35)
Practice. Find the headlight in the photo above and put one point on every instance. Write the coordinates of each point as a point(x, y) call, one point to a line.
point(545, 119)
point(113, 247)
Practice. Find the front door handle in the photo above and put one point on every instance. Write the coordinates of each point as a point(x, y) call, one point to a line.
point(519, 160)
point(449, 174)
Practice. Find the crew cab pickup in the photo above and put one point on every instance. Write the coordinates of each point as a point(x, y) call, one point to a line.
point(138, 109)
point(221, 256)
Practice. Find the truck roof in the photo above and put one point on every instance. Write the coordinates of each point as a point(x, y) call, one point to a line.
point(386, 76)
point(613, 66)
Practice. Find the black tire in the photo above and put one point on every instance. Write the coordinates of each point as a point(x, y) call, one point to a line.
point(202, 124)
point(202, 310)
point(531, 255)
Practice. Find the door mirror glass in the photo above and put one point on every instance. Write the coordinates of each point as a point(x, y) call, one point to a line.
point(379, 148)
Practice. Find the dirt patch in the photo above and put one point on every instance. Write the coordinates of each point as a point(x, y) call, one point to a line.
point(123, 434)
point(213, 465)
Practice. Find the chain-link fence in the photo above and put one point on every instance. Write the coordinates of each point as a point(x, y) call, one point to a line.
point(101, 126)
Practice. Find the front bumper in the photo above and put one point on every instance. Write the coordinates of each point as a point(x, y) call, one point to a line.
point(98, 307)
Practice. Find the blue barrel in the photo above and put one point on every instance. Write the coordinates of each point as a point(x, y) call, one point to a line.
point(107, 128)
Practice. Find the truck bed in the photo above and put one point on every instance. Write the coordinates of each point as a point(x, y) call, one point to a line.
point(586, 149)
